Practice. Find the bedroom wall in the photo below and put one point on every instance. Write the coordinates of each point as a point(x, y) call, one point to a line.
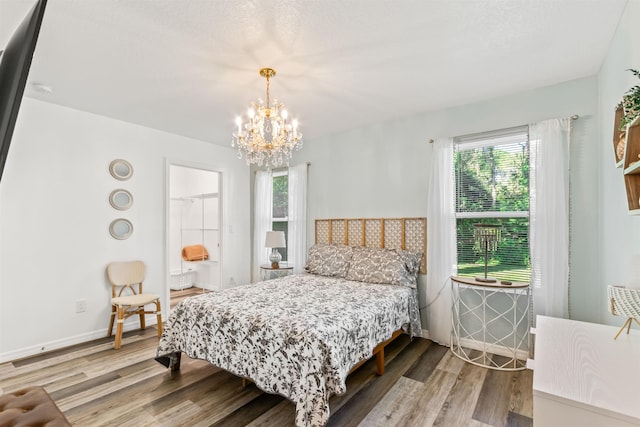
point(619, 232)
point(383, 170)
point(54, 218)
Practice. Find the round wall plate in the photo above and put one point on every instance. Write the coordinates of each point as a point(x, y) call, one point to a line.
point(120, 199)
point(121, 228)
point(121, 169)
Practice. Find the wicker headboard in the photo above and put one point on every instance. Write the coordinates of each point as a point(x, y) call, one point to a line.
point(391, 233)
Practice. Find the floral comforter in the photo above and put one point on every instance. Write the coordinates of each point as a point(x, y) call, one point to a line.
point(297, 336)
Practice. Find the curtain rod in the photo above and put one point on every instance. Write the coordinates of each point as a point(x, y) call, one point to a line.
point(574, 117)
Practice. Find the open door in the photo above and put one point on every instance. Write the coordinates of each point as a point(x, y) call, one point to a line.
point(194, 231)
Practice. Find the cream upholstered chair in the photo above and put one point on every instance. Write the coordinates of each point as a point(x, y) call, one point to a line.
point(127, 298)
point(624, 302)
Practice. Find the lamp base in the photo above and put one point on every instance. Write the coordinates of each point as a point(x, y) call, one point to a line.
point(486, 279)
point(275, 258)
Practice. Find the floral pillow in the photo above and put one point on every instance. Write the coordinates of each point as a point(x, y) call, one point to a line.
point(329, 260)
point(391, 266)
point(412, 260)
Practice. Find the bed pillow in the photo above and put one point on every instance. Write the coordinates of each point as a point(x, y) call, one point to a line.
point(329, 260)
point(412, 260)
point(390, 266)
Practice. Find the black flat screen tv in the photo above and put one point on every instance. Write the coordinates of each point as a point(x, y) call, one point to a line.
point(15, 62)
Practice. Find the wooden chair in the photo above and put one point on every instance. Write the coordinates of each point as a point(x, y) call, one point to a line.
point(624, 302)
point(127, 298)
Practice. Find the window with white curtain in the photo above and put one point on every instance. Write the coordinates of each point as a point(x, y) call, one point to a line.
point(280, 207)
point(492, 187)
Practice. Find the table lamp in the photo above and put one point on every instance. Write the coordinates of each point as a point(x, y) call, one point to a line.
point(486, 236)
point(273, 240)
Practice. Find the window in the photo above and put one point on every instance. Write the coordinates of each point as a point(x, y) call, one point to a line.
point(492, 187)
point(279, 217)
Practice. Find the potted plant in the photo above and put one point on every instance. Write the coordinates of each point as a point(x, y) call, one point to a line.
point(631, 103)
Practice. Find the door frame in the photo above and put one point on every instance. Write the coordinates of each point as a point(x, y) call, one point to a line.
point(167, 202)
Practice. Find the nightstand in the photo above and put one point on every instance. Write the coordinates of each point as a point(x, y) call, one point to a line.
point(267, 272)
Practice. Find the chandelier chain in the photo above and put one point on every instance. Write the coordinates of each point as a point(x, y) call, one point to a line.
point(268, 92)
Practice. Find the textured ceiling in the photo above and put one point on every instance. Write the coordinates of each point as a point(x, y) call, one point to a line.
point(190, 67)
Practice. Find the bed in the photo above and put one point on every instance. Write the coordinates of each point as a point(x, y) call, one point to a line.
point(300, 336)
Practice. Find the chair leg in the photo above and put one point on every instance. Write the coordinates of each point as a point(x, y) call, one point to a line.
point(626, 324)
point(113, 317)
point(119, 327)
point(159, 314)
point(630, 322)
point(143, 325)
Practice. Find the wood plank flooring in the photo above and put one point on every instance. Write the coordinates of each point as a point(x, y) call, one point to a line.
point(177, 296)
point(424, 385)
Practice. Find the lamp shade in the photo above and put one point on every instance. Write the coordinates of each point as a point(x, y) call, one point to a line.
point(275, 239)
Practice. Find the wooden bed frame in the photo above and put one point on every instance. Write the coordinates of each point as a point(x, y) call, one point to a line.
point(378, 352)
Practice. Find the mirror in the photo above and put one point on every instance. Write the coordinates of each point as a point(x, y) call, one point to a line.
point(121, 199)
point(121, 169)
point(121, 228)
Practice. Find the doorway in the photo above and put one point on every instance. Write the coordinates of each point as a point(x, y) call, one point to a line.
point(194, 231)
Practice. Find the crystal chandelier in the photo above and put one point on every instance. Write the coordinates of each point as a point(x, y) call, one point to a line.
point(267, 138)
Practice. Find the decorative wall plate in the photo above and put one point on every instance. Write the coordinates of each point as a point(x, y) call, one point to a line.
point(120, 199)
point(121, 169)
point(121, 228)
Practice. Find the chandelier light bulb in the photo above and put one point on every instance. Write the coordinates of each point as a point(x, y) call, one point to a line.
point(251, 113)
point(284, 114)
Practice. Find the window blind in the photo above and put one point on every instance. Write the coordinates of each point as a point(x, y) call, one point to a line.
point(492, 187)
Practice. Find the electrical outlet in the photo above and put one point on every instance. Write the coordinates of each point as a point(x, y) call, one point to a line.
point(232, 281)
point(81, 306)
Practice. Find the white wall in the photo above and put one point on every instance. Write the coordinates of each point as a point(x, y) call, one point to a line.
point(619, 233)
point(383, 170)
point(54, 218)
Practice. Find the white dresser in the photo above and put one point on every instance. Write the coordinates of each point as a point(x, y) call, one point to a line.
point(583, 377)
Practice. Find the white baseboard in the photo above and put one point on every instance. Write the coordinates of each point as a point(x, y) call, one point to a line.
point(69, 341)
point(493, 348)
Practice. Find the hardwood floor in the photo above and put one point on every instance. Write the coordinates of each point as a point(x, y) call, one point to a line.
point(177, 296)
point(424, 385)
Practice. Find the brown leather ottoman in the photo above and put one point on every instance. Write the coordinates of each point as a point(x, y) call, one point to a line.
point(31, 407)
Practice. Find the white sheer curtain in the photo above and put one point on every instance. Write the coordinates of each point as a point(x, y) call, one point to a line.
point(262, 212)
point(441, 243)
point(297, 236)
point(549, 216)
